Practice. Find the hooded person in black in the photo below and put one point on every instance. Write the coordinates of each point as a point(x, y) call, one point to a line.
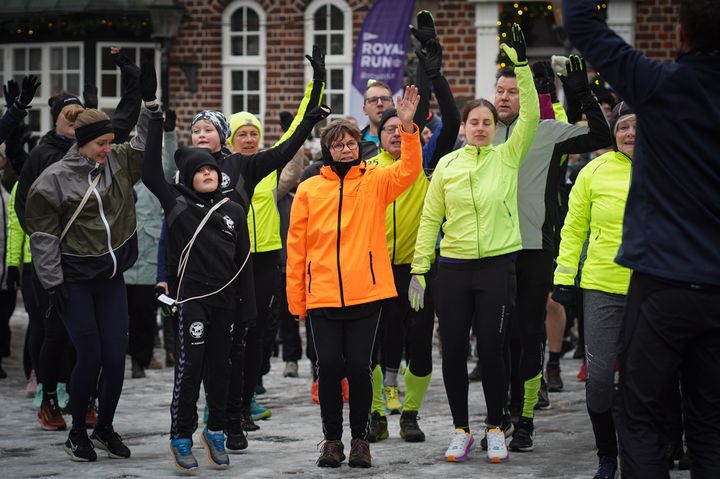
point(210, 278)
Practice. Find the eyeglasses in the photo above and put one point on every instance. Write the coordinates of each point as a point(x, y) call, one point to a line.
point(351, 145)
point(390, 129)
point(374, 99)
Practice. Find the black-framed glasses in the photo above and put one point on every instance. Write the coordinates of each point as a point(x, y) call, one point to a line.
point(374, 99)
point(351, 145)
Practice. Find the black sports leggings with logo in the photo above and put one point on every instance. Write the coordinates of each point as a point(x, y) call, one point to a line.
point(474, 293)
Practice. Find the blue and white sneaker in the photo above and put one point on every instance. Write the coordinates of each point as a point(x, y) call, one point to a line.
point(215, 448)
point(258, 412)
point(461, 445)
point(181, 452)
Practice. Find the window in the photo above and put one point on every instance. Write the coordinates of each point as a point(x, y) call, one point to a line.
point(108, 74)
point(244, 54)
point(59, 67)
point(329, 25)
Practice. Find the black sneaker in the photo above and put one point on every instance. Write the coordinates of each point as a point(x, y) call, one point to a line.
point(476, 374)
point(236, 436)
point(105, 437)
point(79, 447)
point(507, 427)
point(607, 468)
point(543, 401)
point(247, 422)
point(378, 428)
point(522, 439)
point(409, 429)
point(554, 381)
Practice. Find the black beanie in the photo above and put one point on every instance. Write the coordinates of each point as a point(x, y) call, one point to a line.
point(387, 114)
point(189, 160)
point(58, 102)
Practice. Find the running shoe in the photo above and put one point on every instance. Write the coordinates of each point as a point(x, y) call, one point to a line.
point(331, 454)
point(105, 438)
point(522, 438)
point(181, 452)
point(543, 401)
point(215, 448)
point(258, 412)
point(392, 399)
point(497, 450)
point(507, 427)
point(291, 369)
point(236, 436)
point(79, 447)
point(409, 428)
point(247, 422)
point(50, 416)
point(461, 445)
point(554, 380)
point(378, 428)
point(607, 468)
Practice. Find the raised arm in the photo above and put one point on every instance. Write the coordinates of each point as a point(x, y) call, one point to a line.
point(152, 171)
point(127, 111)
point(17, 101)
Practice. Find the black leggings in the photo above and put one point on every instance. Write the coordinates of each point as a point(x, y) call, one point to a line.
point(204, 338)
point(96, 318)
point(474, 293)
point(344, 347)
point(36, 328)
point(143, 322)
point(289, 328)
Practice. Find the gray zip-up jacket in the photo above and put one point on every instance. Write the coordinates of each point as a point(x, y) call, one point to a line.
point(102, 241)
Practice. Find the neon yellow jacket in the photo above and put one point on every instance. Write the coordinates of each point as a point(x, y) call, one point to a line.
point(402, 216)
point(18, 243)
point(596, 205)
point(475, 190)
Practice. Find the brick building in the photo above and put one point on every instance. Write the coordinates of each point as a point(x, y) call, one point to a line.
point(248, 54)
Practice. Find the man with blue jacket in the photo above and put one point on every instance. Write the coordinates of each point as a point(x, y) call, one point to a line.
point(670, 234)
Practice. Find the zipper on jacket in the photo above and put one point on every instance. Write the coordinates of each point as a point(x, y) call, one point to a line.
point(394, 240)
point(472, 195)
point(339, 225)
point(310, 280)
point(105, 222)
point(372, 271)
point(254, 228)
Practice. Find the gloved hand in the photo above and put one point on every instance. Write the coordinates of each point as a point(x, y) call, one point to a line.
point(161, 288)
point(120, 58)
point(576, 81)
point(12, 92)
point(170, 120)
point(286, 119)
point(58, 298)
point(544, 77)
point(30, 84)
point(516, 50)
point(416, 292)
point(90, 96)
point(431, 58)
point(317, 114)
point(425, 30)
point(565, 295)
point(317, 60)
point(148, 82)
point(13, 277)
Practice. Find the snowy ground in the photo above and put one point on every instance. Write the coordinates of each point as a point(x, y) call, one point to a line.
point(286, 444)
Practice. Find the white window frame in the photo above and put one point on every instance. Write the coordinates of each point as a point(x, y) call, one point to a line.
point(110, 102)
point(40, 100)
point(332, 62)
point(246, 63)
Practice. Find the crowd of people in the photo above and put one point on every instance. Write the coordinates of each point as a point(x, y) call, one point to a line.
point(502, 222)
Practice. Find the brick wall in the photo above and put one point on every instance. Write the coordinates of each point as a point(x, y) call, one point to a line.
point(655, 28)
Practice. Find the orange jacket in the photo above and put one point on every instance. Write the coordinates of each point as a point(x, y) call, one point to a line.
point(336, 245)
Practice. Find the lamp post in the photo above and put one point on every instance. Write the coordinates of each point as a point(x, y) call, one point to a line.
point(166, 16)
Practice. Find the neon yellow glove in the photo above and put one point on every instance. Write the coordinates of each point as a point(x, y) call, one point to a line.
point(416, 292)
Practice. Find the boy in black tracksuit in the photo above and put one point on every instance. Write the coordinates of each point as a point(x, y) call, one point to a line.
point(211, 278)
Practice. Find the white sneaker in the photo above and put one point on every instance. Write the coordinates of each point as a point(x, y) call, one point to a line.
point(461, 444)
point(497, 450)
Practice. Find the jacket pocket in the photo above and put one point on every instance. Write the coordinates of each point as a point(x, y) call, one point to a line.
point(507, 210)
point(309, 278)
point(372, 271)
point(597, 236)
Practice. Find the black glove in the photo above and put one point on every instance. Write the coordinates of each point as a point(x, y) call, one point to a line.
point(121, 59)
point(431, 59)
point(544, 77)
point(13, 277)
point(170, 120)
point(425, 30)
point(286, 119)
point(12, 92)
point(517, 42)
point(90, 96)
point(576, 81)
point(30, 84)
point(317, 60)
point(565, 295)
point(317, 114)
point(58, 298)
point(148, 82)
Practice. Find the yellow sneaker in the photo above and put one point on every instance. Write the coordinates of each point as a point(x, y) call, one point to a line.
point(392, 399)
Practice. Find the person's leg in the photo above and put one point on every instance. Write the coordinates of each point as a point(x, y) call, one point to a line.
point(456, 305)
point(328, 338)
point(419, 328)
point(603, 319)
point(217, 368)
point(111, 315)
point(289, 328)
point(36, 328)
point(143, 325)
point(8, 298)
point(555, 328)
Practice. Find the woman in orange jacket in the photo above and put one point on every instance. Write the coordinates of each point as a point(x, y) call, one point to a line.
point(338, 269)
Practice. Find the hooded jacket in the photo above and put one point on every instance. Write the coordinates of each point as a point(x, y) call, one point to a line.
point(337, 249)
point(102, 241)
point(596, 207)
